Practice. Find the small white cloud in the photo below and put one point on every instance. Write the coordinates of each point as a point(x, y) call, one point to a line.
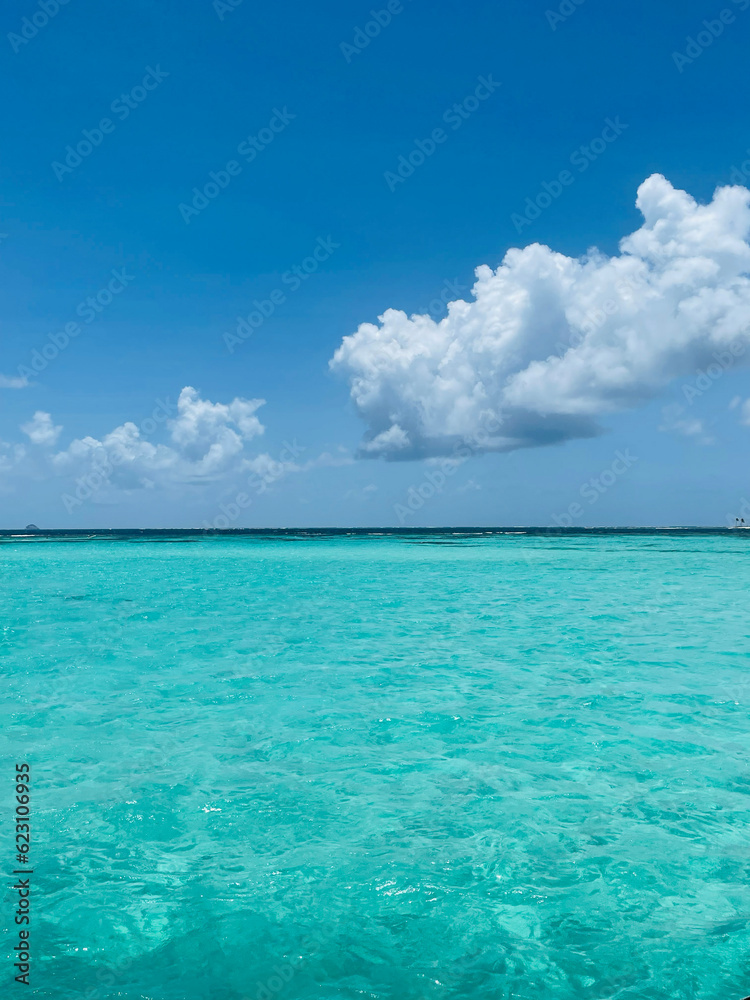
point(270, 469)
point(199, 420)
point(745, 413)
point(41, 430)
point(673, 422)
point(366, 493)
point(213, 433)
point(10, 382)
point(393, 439)
point(327, 460)
point(743, 405)
point(11, 457)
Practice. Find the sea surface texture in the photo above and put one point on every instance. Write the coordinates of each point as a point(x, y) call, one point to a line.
point(420, 768)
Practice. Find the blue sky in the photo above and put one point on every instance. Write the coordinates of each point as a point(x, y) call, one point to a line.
point(331, 126)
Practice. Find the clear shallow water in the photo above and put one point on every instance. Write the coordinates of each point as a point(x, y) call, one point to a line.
point(372, 767)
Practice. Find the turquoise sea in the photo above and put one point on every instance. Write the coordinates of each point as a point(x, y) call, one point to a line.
point(415, 767)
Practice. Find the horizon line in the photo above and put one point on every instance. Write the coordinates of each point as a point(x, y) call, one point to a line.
point(36, 532)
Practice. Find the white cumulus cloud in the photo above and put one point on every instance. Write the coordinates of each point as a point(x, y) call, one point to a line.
point(41, 430)
point(549, 344)
point(204, 442)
